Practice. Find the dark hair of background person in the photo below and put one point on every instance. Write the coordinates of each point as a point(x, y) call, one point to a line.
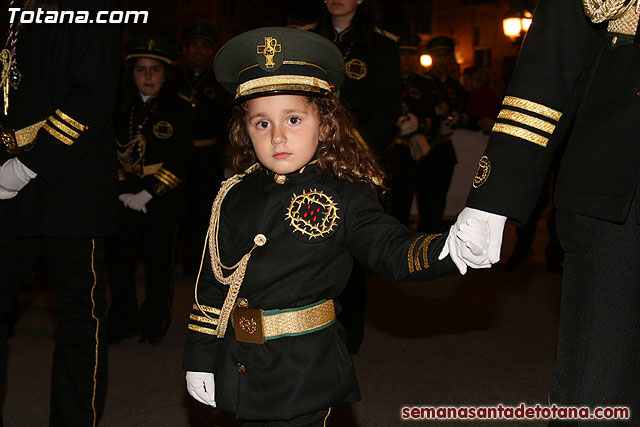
point(363, 23)
point(339, 151)
point(129, 91)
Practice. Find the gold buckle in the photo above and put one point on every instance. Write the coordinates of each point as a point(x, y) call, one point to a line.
point(247, 323)
point(8, 138)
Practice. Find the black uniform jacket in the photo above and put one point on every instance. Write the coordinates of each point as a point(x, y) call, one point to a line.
point(573, 82)
point(209, 104)
point(291, 376)
point(69, 78)
point(165, 138)
point(371, 88)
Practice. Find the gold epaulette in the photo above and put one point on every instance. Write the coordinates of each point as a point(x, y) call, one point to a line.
point(387, 34)
point(306, 27)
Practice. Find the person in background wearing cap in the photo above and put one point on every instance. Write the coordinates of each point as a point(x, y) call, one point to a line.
point(411, 144)
point(371, 92)
point(58, 193)
point(575, 88)
point(263, 339)
point(209, 107)
point(153, 132)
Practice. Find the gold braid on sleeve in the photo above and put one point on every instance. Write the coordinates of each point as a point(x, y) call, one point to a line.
point(234, 280)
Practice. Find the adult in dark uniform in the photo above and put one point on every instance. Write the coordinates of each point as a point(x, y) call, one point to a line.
point(283, 236)
point(152, 129)
point(209, 106)
point(371, 92)
point(404, 155)
point(436, 169)
point(577, 80)
point(58, 200)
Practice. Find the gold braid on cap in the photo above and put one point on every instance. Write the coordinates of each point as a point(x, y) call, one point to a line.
point(234, 280)
point(602, 10)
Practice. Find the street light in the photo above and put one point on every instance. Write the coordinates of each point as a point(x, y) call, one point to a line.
point(426, 61)
point(517, 23)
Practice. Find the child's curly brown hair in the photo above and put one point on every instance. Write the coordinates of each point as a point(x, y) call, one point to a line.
point(341, 151)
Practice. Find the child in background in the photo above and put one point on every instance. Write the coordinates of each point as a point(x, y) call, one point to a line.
point(283, 236)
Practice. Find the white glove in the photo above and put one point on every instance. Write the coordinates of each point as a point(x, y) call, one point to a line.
point(137, 201)
point(464, 239)
point(14, 175)
point(408, 124)
point(201, 387)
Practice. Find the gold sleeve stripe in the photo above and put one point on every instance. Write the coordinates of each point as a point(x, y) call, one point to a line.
point(66, 129)
point(528, 120)
point(167, 178)
point(60, 137)
point(207, 309)
point(121, 175)
point(410, 254)
point(534, 107)
point(71, 121)
point(424, 248)
point(202, 330)
point(521, 133)
point(203, 319)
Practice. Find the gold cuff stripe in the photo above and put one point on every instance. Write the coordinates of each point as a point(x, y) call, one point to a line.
point(424, 248)
point(521, 133)
point(202, 330)
point(528, 120)
point(121, 175)
point(203, 319)
point(284, 82)
point(60, 137)
point(167, 178)
point(534, 107)
point(295, 322)
point(410, 253)
point(71, 121)
point(66, 129)
point(207, 309)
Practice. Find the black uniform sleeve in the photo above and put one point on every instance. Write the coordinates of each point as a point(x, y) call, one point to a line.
point(379, 124)
point(70, 129)
point(382, 243)
point(537, 110)
point(202, 343)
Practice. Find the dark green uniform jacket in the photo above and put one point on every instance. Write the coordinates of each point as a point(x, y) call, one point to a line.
point(573, 82)
point(164, 139)
point(371, 88)
point(292, 376)
point(69, 78)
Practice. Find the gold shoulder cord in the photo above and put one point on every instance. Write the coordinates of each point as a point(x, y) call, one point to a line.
point(234, 280)
point(601, 10)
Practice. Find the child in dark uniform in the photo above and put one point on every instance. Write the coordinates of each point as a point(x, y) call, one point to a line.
point(283, 236)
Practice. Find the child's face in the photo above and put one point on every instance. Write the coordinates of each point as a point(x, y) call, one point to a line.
point(284, 131)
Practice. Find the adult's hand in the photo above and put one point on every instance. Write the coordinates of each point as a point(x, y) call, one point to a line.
point(201, 387)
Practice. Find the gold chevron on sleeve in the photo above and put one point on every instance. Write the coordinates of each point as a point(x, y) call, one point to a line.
point(167, 178)
point(207, 309)
point(202, 330)
point(521, 133)
point(71, 121)
point(528, 120)
point(534, 107)
point(60, 137)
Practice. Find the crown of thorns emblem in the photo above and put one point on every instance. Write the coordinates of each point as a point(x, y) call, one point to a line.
point(313, 214)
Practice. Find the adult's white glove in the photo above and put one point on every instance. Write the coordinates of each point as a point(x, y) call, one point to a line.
point(14, 175)
point(408, 124)
point(137, 201)
point(464, 239)
point(201, 387)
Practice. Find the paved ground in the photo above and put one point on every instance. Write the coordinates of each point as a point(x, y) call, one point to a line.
point(482, 339)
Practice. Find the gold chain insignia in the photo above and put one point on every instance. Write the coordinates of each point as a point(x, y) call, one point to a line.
point(163, 129)
point(482, 173)
point(269, 50)
point(313, 213)
point(355, 69)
